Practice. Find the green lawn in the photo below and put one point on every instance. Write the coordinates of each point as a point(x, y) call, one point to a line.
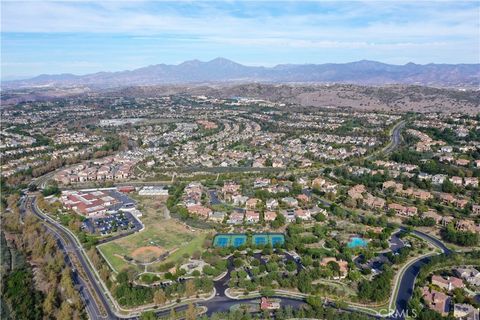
point(191, 247)
point(167, 235)
point(110, 250)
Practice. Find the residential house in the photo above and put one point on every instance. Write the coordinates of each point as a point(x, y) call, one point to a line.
point(424, 176)
point(476, 209)
point(458, 181)
point(434, 215)
point(261, 183)
point(466, 226)
point(439, 178)
point(273, 204)
point(462, 162)
point(269, 216)
point(357, 191)
point(252, 203)
point(374, 202)
point(303, 214)
point(252, 216)
point(218, 216)
point(236, 217)
point(436, 301)
point(403, 210)
point(200, 210)
point(471, 181)
point(303, 198)
point(289, 215)
point(318, 182)
point(230, 189)
point(398, 187)
point(470, 275)
point(465, 311)
point(448, 283)
point(447, 149)
point(267, 304)
point(239, 200)
point(289, 201)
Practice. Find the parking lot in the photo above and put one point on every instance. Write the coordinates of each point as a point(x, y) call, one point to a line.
point(111, 223)
point(115, 220)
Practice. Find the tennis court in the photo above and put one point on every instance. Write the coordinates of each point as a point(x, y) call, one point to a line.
point(229, 240)
point(277, 239)
point(236, 240)
point(260, 239)
point(221, 241)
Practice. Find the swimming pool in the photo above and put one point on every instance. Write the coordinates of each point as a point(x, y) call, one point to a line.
point(357, 242)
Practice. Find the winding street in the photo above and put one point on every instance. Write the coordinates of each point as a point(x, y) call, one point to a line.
point(406, 282)
point(104, 308)
point(220, 301)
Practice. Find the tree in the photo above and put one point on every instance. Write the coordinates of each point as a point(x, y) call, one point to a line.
point(448, 186)
point(148, 315)
point(350, 202)
point(334, 267)
point(66, 311)
point(20, 294)
point(190, 313)
point(238, 262)
point(267, 292)
point(173, 315)
point(304, 282)
point(190, 289)
point(66, 282)
point(50, 302)
point(159, 297)
point(279, 221)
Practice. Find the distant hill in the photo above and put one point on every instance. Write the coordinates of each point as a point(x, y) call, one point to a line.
point(222, 70)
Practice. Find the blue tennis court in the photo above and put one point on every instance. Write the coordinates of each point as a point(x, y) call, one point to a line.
point(221, 241)
point(239, 240)
point(260, 239)
point(277, 240)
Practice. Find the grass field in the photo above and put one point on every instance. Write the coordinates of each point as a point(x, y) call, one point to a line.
point(159, 233)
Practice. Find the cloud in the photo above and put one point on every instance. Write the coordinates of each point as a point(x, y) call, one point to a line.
point(136, 33)
point(354, 20)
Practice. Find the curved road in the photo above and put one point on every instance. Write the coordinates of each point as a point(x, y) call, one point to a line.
point(220, 302)
point(407, 282)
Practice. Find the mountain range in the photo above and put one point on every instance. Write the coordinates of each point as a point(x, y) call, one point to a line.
point(222, 70)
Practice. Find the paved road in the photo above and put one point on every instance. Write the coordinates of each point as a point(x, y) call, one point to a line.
point(396, 137)
point(69, 247)
point(407, 281)
point(218, 303)
point(395, 244)
point(79, 283)
point(222, 303)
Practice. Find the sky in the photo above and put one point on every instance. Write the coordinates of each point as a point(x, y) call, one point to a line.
point(80, 37)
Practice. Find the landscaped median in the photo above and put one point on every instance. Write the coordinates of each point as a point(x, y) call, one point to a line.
point(166, 307)
point(239, 295)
